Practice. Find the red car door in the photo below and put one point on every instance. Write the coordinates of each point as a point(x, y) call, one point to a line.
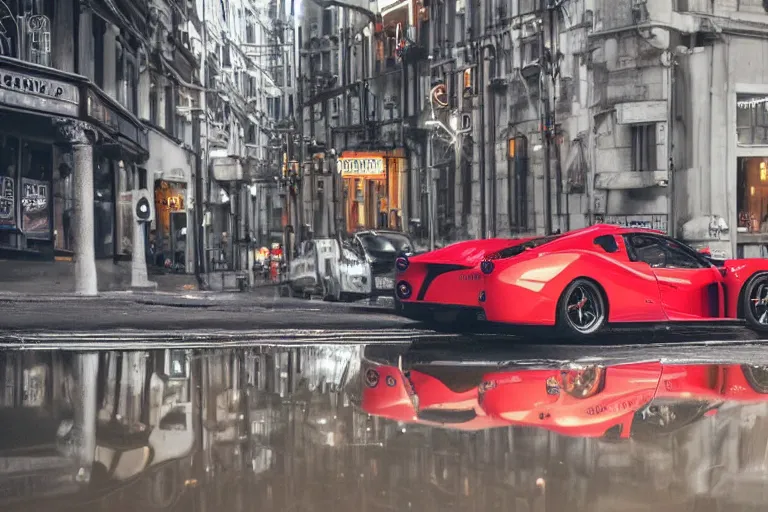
point(690, 287)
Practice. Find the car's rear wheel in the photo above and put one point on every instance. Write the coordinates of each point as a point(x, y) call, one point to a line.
point(581, 310)
point(756, 302)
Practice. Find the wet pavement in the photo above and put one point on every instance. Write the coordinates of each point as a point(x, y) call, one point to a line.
point(363, 425)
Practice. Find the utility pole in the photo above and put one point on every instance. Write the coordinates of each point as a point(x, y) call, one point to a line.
point(300, 97)
point(545, 130)
point(203, 180)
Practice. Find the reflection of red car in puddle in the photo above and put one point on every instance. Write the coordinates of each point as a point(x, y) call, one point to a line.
point(598, 401)
point(429, 396)
point(745, 383)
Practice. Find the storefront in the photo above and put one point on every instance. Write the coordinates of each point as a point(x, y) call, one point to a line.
point(118, 169)
point(37, 189)
point(372, 189)
point(752, 175)
point(171, 243)
point(32, 168)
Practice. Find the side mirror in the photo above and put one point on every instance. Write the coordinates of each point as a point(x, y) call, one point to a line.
point(705, 252)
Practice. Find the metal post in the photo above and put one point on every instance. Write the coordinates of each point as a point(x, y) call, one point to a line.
point(671, 221)
point(430, 195)
point(544, 119)
point(300, 96)
point(205, 163)
point(481, 86)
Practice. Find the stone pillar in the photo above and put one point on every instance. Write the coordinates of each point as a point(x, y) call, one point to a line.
point(63, 47)
point(85, 59)
point(85, 414)
point(80, 135)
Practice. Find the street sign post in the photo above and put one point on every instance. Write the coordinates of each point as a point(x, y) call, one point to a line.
point(143, 212)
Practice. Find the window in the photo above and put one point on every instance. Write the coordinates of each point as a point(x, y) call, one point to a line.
point(660, 252)
point(644, 147)
point(170, 109)
point(607, 243)
point(130, 87)
point(120, 74)
point(752, 199)
point(752, 119)
point(521, 248)
point(154, 101)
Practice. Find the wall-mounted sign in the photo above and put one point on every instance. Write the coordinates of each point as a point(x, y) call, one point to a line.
point(361, 166)
point(99, 111)
point(35, 214)
point(38, 93)
point(749, 101)
point(7, 203)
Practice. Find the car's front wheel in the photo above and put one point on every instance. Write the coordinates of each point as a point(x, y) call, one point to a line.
point(756, 302)
point(581, 310)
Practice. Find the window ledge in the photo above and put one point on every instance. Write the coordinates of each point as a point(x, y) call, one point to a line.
point(630, 180)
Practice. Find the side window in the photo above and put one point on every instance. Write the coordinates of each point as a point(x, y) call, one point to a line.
point(646, 249)
point(660, 252)
point(678, 256)
point(608, 243)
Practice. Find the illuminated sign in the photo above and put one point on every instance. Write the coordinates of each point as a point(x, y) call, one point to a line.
point(361, 166)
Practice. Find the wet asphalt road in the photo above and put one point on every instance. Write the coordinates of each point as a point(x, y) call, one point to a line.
point(156, 312)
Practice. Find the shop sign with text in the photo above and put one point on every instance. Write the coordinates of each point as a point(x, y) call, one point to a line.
point(361, 165)
point(37, 93)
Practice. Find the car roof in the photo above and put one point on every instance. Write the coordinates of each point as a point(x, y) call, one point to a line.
point(612, 229)
point(375, 232)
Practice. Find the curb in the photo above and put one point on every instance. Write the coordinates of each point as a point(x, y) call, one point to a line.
point(132, 339)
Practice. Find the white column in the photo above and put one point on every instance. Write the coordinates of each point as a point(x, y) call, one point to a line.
point(85, 413)
point(79, 135)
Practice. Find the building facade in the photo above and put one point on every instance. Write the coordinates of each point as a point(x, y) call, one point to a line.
point(455, 120)
point(116, 90)
point(69, 101)
point(237, 130)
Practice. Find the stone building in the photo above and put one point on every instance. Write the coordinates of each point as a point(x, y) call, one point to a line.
point(549, 115)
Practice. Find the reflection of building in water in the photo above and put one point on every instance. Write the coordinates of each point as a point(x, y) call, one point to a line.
point(39, 421)
point(281, 429)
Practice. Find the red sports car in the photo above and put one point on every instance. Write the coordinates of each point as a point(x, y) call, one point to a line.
point(596, 401)
point(419, 398)
point(445, 282)
point(584, 279)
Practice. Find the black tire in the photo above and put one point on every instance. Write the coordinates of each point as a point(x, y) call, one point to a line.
point(330, 288)
point(757, 377)
point(756, 302)
point(581, 310)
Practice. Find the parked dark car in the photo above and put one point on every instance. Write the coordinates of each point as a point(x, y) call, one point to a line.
point(381, 248)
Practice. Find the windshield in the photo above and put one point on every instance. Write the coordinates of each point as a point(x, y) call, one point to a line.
point(385, 242)
point(530, 244)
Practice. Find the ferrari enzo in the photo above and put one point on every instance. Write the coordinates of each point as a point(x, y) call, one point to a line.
point(444, 284)
point(420, 398)
point(599, 401)
point(583, 280)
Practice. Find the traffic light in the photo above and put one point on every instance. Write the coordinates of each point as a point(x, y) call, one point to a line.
point(143, 206)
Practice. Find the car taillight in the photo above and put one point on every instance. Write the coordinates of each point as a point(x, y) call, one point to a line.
point(583, 383)
point(403, 290)
point(401, 263)
point(486, 267)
